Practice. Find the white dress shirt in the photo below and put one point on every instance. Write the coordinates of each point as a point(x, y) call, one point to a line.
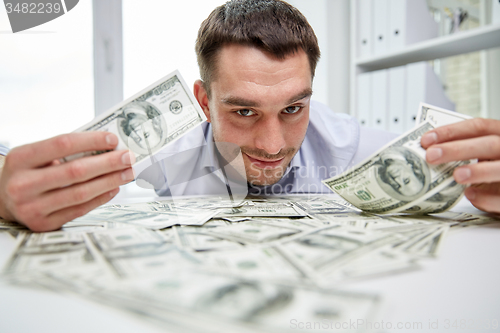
point(3, 150)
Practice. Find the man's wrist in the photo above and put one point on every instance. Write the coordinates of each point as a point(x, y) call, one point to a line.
point(2, 161)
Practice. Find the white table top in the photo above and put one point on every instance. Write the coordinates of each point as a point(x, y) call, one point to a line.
point(459, 289)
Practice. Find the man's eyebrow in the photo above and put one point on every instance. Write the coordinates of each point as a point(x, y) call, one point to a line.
point(306, 93)
point(240, 101)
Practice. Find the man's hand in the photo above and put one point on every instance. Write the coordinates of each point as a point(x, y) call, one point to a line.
point(40, 192)
point(465, 140)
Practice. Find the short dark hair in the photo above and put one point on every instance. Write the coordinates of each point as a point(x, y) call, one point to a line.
point(273, 26)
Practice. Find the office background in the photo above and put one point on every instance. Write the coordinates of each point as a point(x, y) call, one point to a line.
point(56, 77)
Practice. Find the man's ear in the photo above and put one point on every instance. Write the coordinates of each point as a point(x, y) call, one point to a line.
point(202, 97)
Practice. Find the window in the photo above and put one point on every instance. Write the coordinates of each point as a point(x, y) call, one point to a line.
point(46, 77)
point(159, 37)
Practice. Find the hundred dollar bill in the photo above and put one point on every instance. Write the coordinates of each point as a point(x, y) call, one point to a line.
point(183, 205)
point(231, 304)
point(256, 231)
point(200, 239)
point(134, 252)
point(438, 116)
point(149, 120)
point(284, 209)
point(320, 205)
point(395, 177)
point(9, 225)
point(320, 253)
point(150, 220)
point(439, 200)
point(37, 252)
point(450, 193)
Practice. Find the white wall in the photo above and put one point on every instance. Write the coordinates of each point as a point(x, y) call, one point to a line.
point(330, 21)
point(157, 42)
point(46, 81)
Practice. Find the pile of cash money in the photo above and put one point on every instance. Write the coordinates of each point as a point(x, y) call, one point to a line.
point(259, 264)
point(200, 264)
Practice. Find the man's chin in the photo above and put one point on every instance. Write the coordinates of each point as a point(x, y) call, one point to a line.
point(268, 175)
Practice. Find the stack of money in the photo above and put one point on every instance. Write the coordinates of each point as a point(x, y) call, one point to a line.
point(251, 268)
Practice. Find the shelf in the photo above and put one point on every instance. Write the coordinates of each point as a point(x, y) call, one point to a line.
point(459, 43)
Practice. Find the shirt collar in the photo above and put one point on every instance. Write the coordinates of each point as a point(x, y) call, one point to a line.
point(209, 158)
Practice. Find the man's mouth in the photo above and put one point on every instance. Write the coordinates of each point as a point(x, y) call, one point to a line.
point(265, 164)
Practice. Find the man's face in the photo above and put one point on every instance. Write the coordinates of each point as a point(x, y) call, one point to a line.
point(261, 104)
point(404, 179)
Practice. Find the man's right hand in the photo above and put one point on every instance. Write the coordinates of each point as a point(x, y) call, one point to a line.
point(43, 194)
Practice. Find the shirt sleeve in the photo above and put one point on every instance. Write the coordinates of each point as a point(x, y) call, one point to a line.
point(3, 150)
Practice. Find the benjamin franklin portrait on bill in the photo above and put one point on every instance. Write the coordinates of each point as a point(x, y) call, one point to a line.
point(244, 300)
point(403, 174)
point(142, 127)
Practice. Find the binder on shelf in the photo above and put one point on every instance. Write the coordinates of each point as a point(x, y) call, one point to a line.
point(423, 85)
point(365, 28)
point(495, 12)
point(396, 100)
point(363, 99)
point(409, 22)
point(379, 99)
point(380, 26)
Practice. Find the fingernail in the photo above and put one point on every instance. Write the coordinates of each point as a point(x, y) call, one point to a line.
point(433, 154)
point(111, 140)
point(128, 158)
point(470, 193)
point(462, 174)
point(428, 139)
point(127, 175)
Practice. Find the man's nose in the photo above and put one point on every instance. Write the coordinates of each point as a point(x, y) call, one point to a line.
point(270, 135)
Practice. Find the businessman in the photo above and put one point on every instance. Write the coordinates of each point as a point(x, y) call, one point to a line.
point(257, 60)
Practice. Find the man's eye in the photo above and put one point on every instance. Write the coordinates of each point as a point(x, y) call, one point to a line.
point(245, 112)
point(292, 109)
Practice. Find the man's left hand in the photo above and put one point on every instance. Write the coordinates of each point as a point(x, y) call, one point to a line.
point(470, 139)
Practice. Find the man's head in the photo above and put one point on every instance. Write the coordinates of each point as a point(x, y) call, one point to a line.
point(271, 26)
point(257, 61)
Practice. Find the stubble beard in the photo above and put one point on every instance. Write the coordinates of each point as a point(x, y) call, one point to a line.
point(266, 176)
point(257, 176)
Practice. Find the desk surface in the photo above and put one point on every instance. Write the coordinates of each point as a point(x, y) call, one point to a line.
point(460, 290)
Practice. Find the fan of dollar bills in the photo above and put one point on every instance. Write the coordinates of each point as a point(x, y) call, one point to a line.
point(397, 178)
